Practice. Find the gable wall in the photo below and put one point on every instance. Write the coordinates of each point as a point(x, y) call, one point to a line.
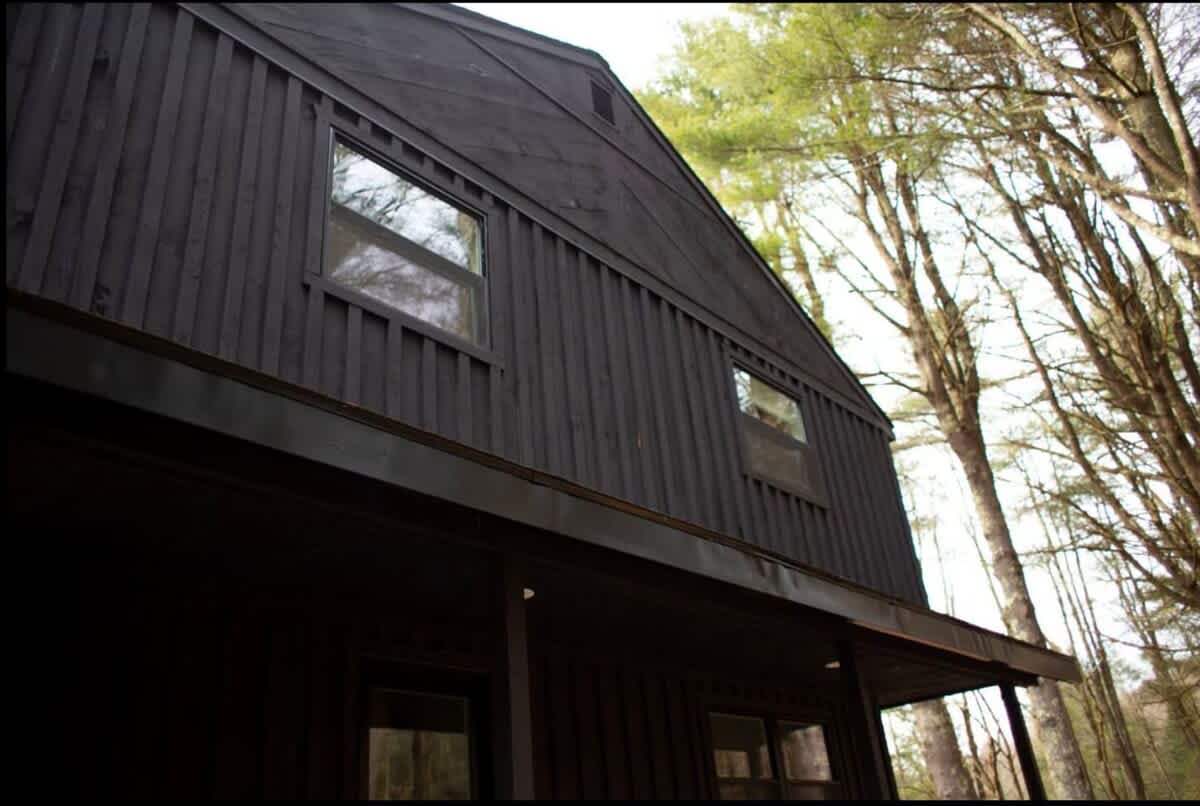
point(525, 116)
point(164, 175)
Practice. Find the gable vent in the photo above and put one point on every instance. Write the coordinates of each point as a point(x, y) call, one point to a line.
point(602, 103)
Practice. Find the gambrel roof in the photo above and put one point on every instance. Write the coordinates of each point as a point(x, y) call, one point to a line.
point(531, 124)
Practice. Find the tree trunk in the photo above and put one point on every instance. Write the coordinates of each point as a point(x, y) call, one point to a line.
point(950, 377)
point(939, 745)
point(1051, 722)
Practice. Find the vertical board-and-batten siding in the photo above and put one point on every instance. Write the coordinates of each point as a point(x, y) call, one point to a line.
point(615, 728)
point(166, 176)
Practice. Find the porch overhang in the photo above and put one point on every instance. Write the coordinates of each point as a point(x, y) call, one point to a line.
point(98, 357)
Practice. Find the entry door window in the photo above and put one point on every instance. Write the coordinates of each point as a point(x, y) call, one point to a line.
point(742, 756)
point(419, 746)
point(805, 761)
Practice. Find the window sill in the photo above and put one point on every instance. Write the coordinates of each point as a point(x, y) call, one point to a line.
point(407, 321)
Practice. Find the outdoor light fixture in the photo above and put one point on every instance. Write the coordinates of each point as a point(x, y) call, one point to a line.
point(528, 593)
point(833, 664)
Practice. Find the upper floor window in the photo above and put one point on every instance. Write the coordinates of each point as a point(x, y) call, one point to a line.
point(770, 759)
point(404, 246)
point(775, 438)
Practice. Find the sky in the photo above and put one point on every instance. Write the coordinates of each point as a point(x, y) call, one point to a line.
point(630, 36)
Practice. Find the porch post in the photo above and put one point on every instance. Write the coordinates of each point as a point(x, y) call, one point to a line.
point(1016, 721)
point(513, 733)
point(866, 739)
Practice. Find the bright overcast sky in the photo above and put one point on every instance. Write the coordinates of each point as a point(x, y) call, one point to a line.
point(630, 36)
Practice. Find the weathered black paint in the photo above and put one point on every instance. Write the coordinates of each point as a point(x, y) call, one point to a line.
point(182, 188)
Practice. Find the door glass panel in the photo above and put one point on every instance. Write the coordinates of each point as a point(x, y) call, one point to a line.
point(419, 746)
point(805, 757)
point(740, 748)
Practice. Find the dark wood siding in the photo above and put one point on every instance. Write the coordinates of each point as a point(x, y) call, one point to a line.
point(219, 610)
point(162, 174)
point(631, 729)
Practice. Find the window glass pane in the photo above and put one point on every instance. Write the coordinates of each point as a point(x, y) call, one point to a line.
point(805, 757)
point(419, 747)
point(358, 258)
point(775, 461)
point(366, 187)
point(766, 403)
point(740, 747)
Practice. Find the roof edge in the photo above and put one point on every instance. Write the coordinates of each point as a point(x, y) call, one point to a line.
point(517, 35)
point(457, 15)
point(757, 258)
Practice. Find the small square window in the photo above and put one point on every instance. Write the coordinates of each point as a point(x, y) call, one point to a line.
point(774, 437)
point(404, 246)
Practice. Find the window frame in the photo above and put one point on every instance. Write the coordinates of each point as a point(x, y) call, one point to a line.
point(378, 672)
point(317, 271)
point(814, 492)
point(834, 788)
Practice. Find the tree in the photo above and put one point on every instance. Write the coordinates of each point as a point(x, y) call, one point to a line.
point(939, 746)
point(787, 85)
point(1124, 391)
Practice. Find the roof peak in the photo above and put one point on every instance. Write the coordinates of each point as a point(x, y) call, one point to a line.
point(456, 14)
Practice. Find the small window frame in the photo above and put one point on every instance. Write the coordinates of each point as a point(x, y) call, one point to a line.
point(835, 788)
point(815, 491)
point(317, 270)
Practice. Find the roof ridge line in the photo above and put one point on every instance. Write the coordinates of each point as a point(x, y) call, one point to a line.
point(458, 15)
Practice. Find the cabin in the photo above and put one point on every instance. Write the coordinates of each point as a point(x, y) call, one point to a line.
point(393, 414)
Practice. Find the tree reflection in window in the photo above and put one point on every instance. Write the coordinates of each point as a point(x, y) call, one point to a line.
point(419, 746)
point(395, 242)
point(749, 750)
point(767, 404)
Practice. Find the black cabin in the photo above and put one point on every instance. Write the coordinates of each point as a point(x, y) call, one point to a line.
point(393, 414)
